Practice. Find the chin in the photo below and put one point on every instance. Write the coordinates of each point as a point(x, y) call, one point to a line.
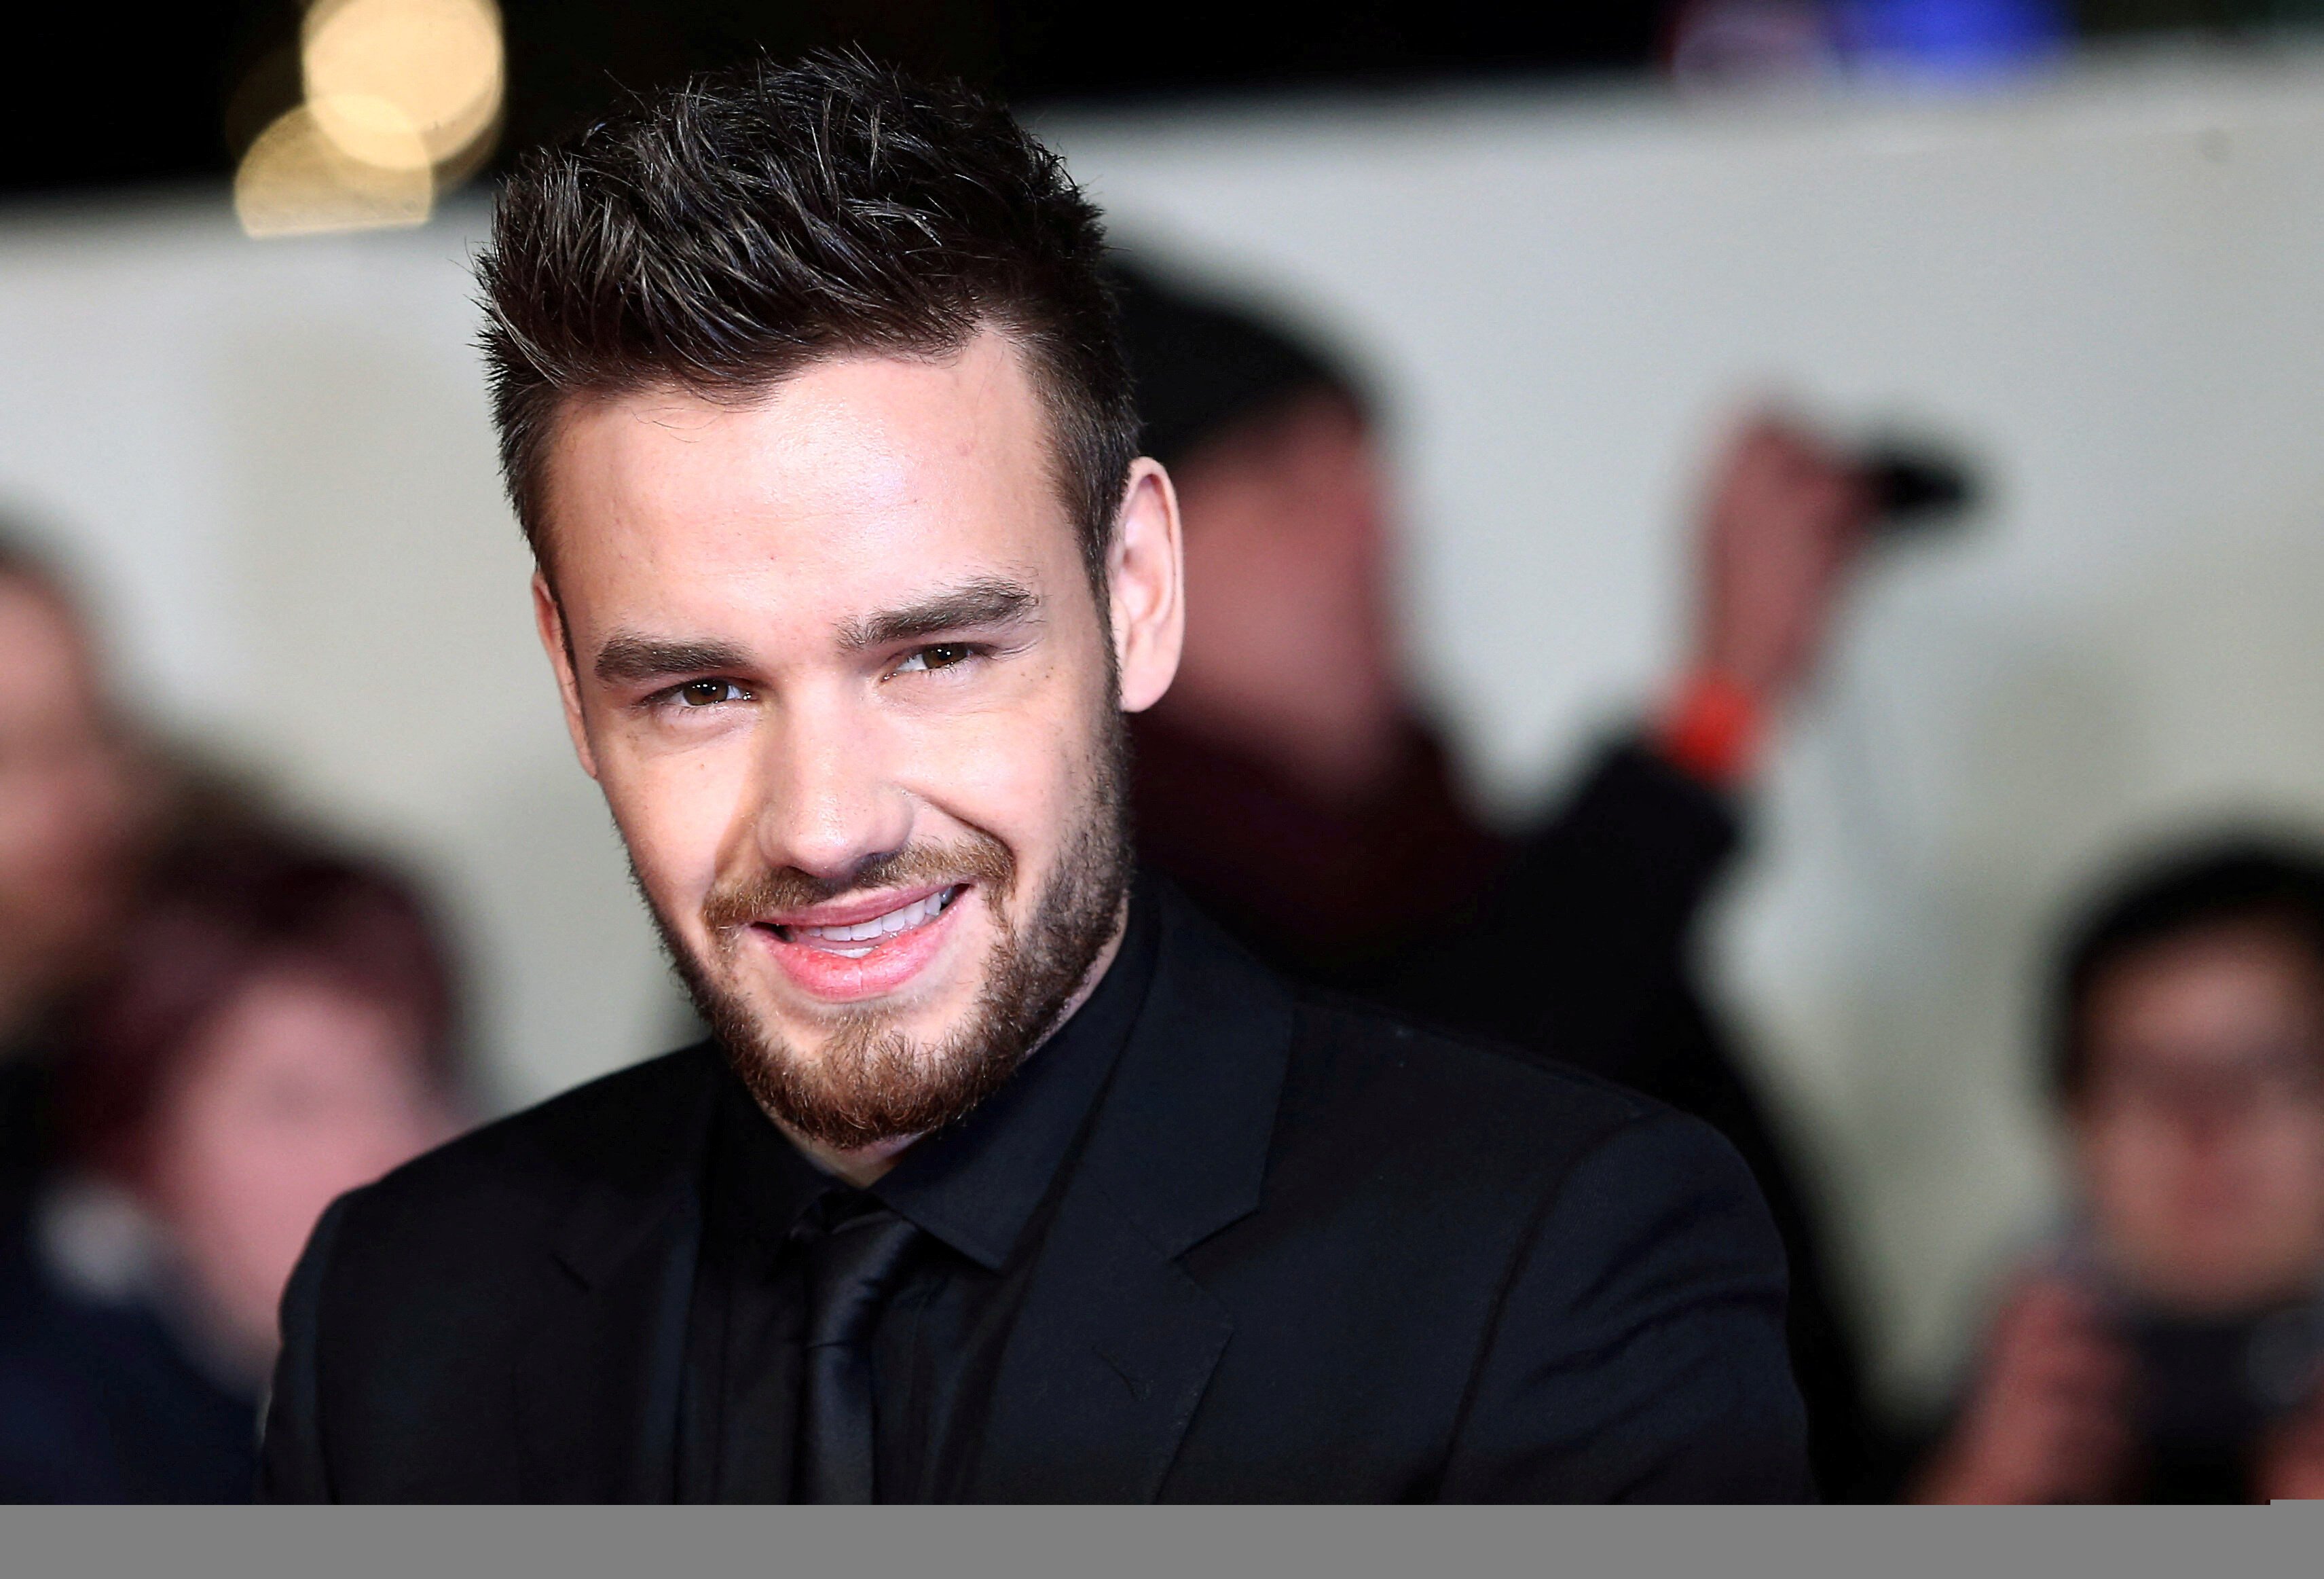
point(812, 1037)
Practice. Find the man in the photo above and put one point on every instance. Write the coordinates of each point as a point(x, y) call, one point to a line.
point(74, 820)
point(2169, 1347)
point(1295, 787)
point(1005, 1178)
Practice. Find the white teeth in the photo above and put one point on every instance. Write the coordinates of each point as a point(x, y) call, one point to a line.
point(901, 919)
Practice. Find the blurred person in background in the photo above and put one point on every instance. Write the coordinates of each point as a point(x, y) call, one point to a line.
point(2165, 1348)
point(278, 1030)
point(78, 808)
point(1297, 789)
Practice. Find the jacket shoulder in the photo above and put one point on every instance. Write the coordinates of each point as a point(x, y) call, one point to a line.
point(626, 1129)
point(422, 1295)
point(1350, 1061)
point(1408, 1119)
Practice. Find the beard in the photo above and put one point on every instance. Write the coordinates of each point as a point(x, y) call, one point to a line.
point(871, 1082)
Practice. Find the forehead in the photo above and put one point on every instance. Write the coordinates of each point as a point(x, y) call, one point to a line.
point(44, 657)
point(2217, 984)
point(852, 480)
point(294, 1013)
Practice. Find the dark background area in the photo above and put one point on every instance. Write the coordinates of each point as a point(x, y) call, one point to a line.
point(108, 96)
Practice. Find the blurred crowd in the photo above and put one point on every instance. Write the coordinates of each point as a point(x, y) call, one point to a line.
point(215, 1019)
point(2163, 1346)
point(213, 1024)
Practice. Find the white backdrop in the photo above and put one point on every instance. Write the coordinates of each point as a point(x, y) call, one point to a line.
point(274, 462)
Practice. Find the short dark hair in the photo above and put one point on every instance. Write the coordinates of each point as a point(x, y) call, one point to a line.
point(1206, 365)
point(28, 559)
point(2237, 880)
point(722, 235)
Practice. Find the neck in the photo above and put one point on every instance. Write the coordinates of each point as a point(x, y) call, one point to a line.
point(865, 1165)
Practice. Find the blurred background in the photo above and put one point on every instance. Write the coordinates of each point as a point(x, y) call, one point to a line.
point(2077, 246)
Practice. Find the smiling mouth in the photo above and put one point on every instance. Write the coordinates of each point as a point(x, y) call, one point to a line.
point(859, 938)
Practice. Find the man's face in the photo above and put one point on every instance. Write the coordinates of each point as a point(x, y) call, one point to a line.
point(2200, 1136)
point(838, 667)
point(68, 810)
point(1286, 564)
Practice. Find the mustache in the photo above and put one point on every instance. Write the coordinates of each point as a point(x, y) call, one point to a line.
point(980, 858)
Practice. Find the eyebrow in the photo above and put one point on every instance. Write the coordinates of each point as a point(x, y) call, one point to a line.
point(628, 658)
point(990, 600)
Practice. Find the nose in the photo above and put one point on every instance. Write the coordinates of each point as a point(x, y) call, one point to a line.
point(2215, 1115)
point(827, 803)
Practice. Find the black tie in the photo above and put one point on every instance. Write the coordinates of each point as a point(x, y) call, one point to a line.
point(850, 1271)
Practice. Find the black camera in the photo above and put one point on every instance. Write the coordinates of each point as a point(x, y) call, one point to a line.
point(2209, 1391)
point(1917, 486)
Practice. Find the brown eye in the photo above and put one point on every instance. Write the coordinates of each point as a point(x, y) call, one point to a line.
point(943, 655)
point(705, 693)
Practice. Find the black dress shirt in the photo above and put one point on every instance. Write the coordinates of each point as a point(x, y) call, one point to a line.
point(977, 1192)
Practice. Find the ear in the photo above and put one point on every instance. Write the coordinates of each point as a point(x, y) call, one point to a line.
point(1146, 575)
point(548, 619)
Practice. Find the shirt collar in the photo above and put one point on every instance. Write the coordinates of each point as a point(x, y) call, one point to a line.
point(977, 1184)
point(757, 1169)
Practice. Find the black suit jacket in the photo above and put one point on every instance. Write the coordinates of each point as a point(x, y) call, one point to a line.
point(1307, 1254)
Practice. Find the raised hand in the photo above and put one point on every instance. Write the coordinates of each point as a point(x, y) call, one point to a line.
point(1785, 518)
point(2046, 1421)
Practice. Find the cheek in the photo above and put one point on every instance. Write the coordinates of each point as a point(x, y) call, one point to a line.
point(1013, 771)
point(2285, 1161)
point(679, 815)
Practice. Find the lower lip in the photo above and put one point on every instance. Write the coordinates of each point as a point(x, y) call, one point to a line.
point(893, 961)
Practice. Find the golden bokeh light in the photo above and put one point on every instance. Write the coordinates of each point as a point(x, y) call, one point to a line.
point(296, 180)
point(402, 101)
point(378, 70)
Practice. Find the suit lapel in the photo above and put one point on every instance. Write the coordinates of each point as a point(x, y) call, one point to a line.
point(1110, 1355)
point(1115, 1343)
point(597, 1382)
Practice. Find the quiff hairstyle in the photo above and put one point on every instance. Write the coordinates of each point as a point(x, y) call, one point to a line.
point(721, 236)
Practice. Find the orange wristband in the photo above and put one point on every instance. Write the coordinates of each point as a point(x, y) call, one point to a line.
point(1715, 729)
